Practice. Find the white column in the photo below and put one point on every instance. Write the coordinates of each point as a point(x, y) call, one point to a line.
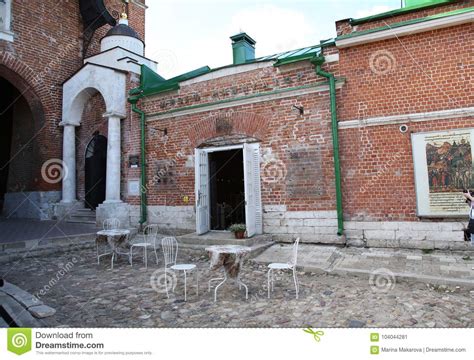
point(69, 163)
point(112, 192)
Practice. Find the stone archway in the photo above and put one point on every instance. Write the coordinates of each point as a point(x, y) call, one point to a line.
point(25, 193)
point(111, 84)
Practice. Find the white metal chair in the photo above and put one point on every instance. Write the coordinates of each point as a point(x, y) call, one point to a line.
point(150, 234)
point(291, 265)
point(108, 224)
point(169, 246)
point(111, 224)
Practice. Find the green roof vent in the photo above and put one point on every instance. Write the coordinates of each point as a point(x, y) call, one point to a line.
point(243, 48)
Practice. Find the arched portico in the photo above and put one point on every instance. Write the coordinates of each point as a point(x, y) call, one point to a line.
point(111, 84)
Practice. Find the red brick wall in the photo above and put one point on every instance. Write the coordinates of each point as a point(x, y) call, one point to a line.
point(419, 73)
point(377, 169)
point(292, 138)
point(46, 51)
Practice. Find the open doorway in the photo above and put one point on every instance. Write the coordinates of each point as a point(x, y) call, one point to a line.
point(17, 157)
point(230, 175)
point(95, 171)
point(227, 192)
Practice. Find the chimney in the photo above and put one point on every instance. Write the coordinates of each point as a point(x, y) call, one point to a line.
point(243, 48)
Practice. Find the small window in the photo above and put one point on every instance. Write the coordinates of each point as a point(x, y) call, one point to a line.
point(5, 20)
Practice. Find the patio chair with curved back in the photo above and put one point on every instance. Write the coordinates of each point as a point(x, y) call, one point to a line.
point(150, 234)
point(169, 246)
point(111, 224)
point(291, 265)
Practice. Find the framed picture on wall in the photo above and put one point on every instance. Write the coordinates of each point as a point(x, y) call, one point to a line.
point(444, 167)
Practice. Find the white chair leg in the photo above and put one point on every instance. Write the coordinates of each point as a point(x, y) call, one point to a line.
point(156, 256)
point(295, 278)
point(197, 282)
point(268, 281)
point(184, 285)
point(97, 252)
point(112, 261)
point(166, 284)
point(273, 281)
point(145, 254)
point(131, 256)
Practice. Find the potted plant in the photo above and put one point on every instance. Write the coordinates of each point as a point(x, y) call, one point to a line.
point(238, 230)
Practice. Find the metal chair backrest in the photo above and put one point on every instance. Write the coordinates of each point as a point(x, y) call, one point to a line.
point(169, 245)
point(294, 255)
point(150, 233)
point(111, 224)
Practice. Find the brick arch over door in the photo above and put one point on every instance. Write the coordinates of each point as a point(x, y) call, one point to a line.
point(226, 124)
point(23, 78)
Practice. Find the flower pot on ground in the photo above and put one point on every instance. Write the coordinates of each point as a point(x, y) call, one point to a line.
point(238, 230)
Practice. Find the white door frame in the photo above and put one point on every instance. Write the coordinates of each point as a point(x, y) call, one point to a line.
point(218, 149)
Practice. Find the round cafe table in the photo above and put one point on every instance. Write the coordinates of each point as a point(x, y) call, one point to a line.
point(230, 257)
point(115, 239)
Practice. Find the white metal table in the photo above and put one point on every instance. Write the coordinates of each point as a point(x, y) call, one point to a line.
point(230, 257)
point(116, 239)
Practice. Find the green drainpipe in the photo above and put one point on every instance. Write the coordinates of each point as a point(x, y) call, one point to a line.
point(143, 200)
point(318, 62)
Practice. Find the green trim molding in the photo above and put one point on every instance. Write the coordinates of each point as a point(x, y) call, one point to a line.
point(405, 23)
point(411, 6)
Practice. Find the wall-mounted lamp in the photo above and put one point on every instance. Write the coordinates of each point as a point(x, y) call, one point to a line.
point(299, 108)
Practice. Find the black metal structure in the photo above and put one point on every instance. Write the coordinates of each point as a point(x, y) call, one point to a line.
point(94, 15)
point(95, 171)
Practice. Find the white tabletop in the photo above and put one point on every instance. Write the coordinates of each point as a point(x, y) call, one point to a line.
point(229, 249)
point(113, 232)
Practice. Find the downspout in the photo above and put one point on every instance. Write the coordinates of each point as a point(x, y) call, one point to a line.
point(143, 199)
point(318, 61)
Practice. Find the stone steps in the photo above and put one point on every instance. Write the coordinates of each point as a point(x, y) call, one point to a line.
point(82, 216)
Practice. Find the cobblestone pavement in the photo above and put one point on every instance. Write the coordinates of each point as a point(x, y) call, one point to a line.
point(89, 295)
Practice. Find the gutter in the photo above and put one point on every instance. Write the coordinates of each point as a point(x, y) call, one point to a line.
point(143, 198)
point(318, 61)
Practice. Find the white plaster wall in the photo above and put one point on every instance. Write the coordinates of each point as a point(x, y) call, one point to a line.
point(77, 90)
point(130, 43)
point(115, 58)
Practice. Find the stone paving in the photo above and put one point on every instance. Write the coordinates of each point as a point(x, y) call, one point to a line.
point(441, 267)
point(89, 295)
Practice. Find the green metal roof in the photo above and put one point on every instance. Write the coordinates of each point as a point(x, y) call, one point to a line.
point(152, 83)
point(405, 23)
point(410, 8)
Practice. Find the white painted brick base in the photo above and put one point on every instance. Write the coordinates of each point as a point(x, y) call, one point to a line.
point(168, 217)
point(310, 226)
point(321, 227)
